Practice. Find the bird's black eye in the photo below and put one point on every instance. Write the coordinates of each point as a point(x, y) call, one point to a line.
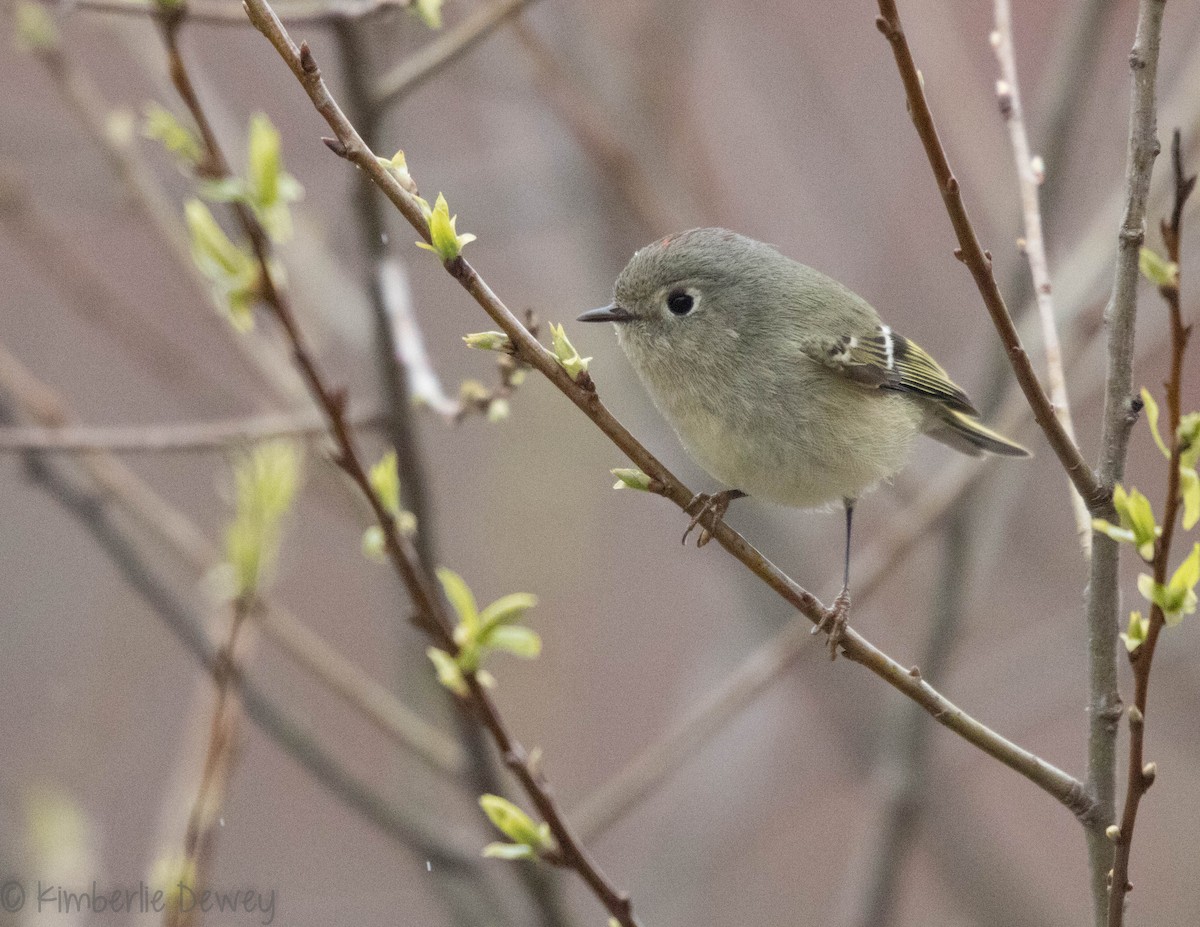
point(680, 302)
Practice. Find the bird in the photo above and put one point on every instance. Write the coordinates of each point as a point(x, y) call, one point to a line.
point(780, 382)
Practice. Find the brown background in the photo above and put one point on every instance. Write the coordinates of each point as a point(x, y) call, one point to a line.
point(783, 120)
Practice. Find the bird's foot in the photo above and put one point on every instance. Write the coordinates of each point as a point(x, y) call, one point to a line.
point(834, 621)
point(714, 505)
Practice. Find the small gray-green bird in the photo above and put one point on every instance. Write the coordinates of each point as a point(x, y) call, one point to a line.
point(780, 382)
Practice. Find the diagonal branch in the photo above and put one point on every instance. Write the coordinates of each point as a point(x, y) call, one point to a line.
point(979, 262)
point(350, 145)
point(432, 612)
point(447, 48)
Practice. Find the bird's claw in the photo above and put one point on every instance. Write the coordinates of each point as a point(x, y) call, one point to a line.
point(834, 622)
point(714, 504)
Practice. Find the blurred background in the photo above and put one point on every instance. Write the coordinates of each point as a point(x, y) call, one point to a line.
point(567, 135)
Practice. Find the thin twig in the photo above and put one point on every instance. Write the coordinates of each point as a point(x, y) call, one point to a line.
point(447, 48)
point(93, 506)
point(432, 613)
point(1141, 775)
point(391, 369)
point(350, 145)
point(174, 437)
point(1120, 412)
point(406, 374)
point(200, 837)
point(219, 13)
point(1029, 178)
point(173, 530)
point(85, 100)
point(979, 262)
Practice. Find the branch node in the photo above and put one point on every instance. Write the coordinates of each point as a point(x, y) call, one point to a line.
point(308, 64)
point(336, 146)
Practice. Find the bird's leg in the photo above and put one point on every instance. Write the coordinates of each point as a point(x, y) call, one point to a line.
point(714, 504)
point(835, 619)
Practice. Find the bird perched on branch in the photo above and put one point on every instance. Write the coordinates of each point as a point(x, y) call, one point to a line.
point(780, 382)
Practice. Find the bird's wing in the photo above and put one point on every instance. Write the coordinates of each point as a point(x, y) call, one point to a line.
point(881, 358)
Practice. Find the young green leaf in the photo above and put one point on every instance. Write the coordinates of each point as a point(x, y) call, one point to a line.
point(34, 27)
point(515, 639)
point(461, 598)
point(269, 188)
point(232, 272)
point(1178, 597)
point(159, 124)
point(568, 358)
point(506, 610)
point(509, 851)
point(1151, 408)
point(397, 166)
point(1189, 491)
point(1137, 515)
point(429, 12)
point(514, 823)
point(445, 241)
point(630, 478)
point(384, 478)
point(1157, 269)
point(1135, 636)
point(448, 672)
point(489, 341)
point(265, 480)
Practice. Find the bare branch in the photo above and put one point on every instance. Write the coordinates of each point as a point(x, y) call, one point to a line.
point(350, 145)
point(191, 437)
point(1103, 601)
point(1029, 178)
point(224, 13)
point(179, 535)
point(93, 506)
point(447, 48)
point(979, 262)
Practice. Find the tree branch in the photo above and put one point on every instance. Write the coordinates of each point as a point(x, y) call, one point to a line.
point(1103, 602)
point(432, 614)
point(174, 437)
point(172, 529)
point(1029, 177)
point(979, 262)
point(447, 48)
point(1141, 775)
point(92, 507)
point(350, 145)
point(220, 13)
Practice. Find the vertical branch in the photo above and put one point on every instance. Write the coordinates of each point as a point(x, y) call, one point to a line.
point(1103, 595)
point(1029, 177)
point(393, 374)
point(1141, 775)
point(397, 381)
point(200, 837)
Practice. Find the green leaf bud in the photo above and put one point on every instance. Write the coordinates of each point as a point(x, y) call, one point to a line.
point(568, 358)
point(445, 241)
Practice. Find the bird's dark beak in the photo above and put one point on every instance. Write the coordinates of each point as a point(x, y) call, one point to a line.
point(613, 313)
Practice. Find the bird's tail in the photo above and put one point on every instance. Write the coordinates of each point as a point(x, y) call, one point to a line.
point(967, 434)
